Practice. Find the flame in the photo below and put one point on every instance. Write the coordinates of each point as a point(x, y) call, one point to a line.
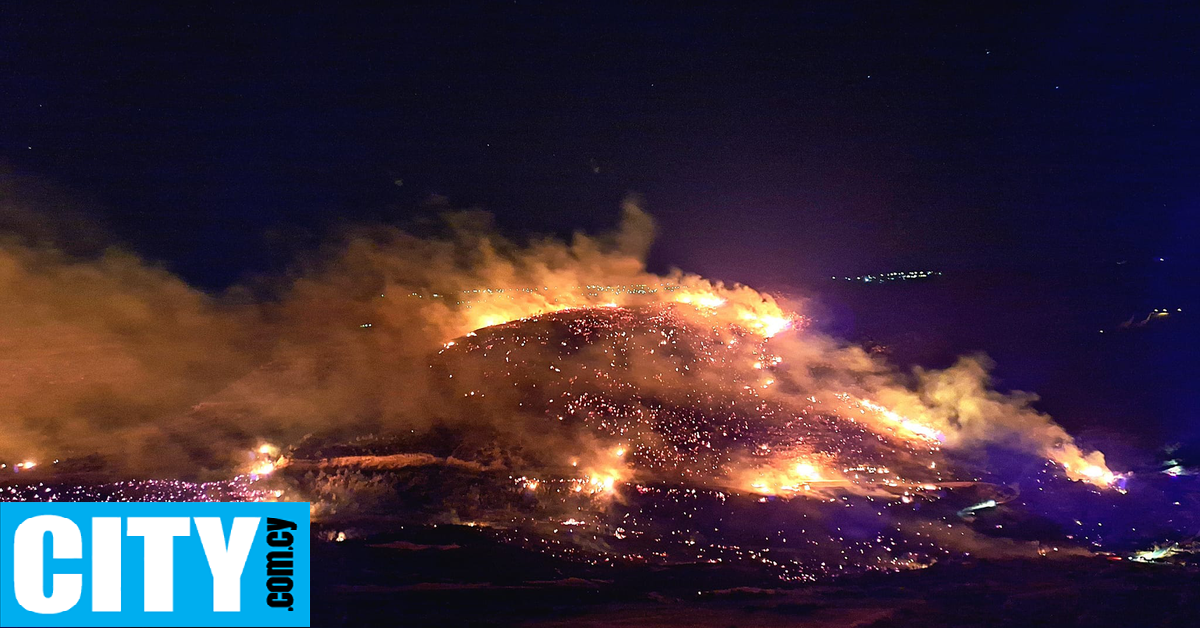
point(1089, 468)
point(265, 467)
point(595, 484)
point(761, 315)
point(265, 461)
point(604, 482)
point(808, 471)
point(767, 325)
point(791, 478)
point(479, 308)
point(706, 300)
point(908, 427)
point(489, 321)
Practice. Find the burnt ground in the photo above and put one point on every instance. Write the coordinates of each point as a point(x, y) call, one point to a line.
point(456, 580)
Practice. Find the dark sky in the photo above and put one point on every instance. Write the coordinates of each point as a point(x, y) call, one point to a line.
point(771, 143)
point(1025, 151)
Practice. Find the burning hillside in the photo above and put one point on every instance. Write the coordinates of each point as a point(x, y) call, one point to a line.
point(555, 397)
point(673, 392)
point(682, 439)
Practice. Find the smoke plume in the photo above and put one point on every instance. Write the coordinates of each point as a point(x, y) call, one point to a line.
point(104, 354)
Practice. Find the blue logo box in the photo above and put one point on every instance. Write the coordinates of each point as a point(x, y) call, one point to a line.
point(154, 564)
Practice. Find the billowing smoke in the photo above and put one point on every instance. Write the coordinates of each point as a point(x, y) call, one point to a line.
point(103, 354)
point(958, 403)
point(99, 351)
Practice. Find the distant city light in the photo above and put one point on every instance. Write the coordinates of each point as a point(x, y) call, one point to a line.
point(905, 275)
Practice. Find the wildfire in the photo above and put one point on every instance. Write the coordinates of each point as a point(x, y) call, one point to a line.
point(604, 483)
point(808, 471)
point(266, 460)
point(1090, 469)
point(907, 426)
point(767, 325)
point(792, 476)
point(266, 467)
point(594, 484)
point(480, 308)
point(701, 300)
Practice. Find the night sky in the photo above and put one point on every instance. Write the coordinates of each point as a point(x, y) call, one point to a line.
point(775, 146)
point(769, 143)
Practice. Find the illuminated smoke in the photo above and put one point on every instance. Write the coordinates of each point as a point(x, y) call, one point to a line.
point(106, 354)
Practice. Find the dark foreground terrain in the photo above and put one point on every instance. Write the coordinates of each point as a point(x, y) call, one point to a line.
point(451, 581)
